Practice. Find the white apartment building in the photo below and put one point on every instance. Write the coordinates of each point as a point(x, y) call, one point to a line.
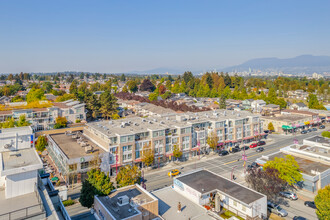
point(45, 118)
point(125, 138)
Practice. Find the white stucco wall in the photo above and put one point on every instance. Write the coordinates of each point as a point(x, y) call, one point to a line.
point(20, 184)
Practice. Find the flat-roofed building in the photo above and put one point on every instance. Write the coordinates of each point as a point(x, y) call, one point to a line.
point(130, 202)
point(45, 118)
point(74, 155)
point(203, 186)
point(313, 158)
point(126, 138)
point(16, 138)
point(286, 123)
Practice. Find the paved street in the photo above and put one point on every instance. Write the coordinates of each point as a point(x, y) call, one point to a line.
point(224, 165)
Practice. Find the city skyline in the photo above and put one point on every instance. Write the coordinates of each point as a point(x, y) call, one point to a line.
point(113, 37)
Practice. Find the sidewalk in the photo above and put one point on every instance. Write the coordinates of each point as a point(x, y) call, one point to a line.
point(175, 164)
point(306, 195)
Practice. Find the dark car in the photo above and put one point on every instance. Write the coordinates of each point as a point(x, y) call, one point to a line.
point(260, 149)
point(309, 130)
point(303, 132)
point(245, 147)
point(310, 204)
point(314, 129)
point(260, 143)
point(235, 150)
point(299, 218)
point(321, 127)
point(254, 164)
point(253, 145)
point(223, 153)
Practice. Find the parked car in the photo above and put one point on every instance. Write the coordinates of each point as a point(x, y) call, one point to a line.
point(173, 172)
point(310, 204)
point(260, 143)
point(272, 207)
point(303, 132)
point(321, 127)
point(245, 147)
point(260, 149)
point(234, 150)
point(289, 195)
point(254, 164)
point(299, 218)
point(309, 130)
point(253, 145)
point(314, 129)
point(223, 153)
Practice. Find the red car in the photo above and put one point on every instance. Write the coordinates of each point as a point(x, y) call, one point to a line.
point(253, 145)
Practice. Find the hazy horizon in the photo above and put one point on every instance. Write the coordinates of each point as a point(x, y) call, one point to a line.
point(113, 37)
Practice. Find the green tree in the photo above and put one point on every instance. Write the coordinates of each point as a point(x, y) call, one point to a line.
point(153, 96)
point(22, 121)
point(222, 101)
point(187, 76)
point(271, 126)
point(47, 86)
point(108, 104)
point(322, 203)
point(147, 155)
point(212, 140)
point(9, 123)
point(61, 122)
point(74, 87)
point(35, 95)
point(128, 175)
point(41, 143)
point(176, 151)
point(17, 99)
point(287, 168)
point(123, 77)
point(132, 86)
point(125, 89)
point(326, 134)
point(65, 97)
point(313, 102)
point(97, 183)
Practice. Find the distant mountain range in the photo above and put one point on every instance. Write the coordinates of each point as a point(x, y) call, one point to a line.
point(299, 64)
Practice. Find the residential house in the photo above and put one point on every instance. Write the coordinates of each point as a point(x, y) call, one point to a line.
point(257, 105)
point(270, 110)
point(299, 106)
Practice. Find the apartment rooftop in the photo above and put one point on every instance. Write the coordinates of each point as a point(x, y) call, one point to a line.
point(75, 145)
point(18, 206)
point(23, 160)
point(204, 182)
point(319, 139)
point(134, 193)
point(135, 125)
point(287, 117)
point(168, 200)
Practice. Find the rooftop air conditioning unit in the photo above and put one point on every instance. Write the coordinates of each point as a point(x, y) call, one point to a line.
point(123, 200)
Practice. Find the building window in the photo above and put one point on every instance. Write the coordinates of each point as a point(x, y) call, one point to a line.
point(123, 139)
point(127, 156)
point(185, 130)
point(84, 165)
point(243, 208)
point(235, 203)
point(73, 167)
point(127, 148)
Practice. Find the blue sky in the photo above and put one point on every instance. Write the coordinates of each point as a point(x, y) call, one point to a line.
point(126, 35)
